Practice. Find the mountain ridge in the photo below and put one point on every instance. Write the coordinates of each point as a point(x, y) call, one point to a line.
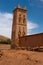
point(3, 37)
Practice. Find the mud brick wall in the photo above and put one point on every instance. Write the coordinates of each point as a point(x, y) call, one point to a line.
point(35, 40)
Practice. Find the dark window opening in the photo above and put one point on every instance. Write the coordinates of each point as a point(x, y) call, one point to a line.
point(20, 18)
point(19, 34)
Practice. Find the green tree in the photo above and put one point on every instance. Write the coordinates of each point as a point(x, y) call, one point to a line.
point(8, 41)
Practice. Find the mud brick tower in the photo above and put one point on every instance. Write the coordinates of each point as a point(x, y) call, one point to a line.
point(19, 26)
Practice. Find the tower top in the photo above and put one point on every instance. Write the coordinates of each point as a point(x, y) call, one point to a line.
point(18, 6)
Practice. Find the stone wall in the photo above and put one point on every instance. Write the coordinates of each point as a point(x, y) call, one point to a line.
point(35, 40)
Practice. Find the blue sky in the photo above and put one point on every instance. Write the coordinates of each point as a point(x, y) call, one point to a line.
point(34, 15)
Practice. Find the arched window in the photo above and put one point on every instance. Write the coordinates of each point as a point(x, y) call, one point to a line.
point(23, 33)
point(19, 34)
point(19, 18)
point(24, 19)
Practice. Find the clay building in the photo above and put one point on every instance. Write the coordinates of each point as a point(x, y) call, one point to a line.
point(19, 30)
point(35, 40)
point(19, 26)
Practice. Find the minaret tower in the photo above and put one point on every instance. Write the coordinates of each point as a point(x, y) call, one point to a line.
point(19, 26)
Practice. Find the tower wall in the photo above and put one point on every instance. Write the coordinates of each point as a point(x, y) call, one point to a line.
point(19, 26)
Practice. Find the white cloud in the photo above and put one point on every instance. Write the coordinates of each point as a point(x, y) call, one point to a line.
point(41, 0)
point(6, 24)
point(30, 26)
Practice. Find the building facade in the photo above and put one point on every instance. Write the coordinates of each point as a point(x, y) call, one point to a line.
point(19, 30)
point(19, 26)
point(31, 41)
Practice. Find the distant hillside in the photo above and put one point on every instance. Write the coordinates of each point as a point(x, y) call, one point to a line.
point(3, 37)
